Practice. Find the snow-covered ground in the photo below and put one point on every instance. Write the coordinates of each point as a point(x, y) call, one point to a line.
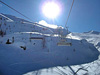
point(34, 50)
point(91, 68)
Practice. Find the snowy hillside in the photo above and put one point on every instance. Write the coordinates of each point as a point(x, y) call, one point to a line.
point(12, 24)
point(91, 36)
point(92, 68)
point(32, 49)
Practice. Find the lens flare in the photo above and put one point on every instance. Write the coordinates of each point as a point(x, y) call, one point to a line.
point(51, 10)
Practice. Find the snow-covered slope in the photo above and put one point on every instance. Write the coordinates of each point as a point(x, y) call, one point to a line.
point(91, 36)
point(12, 24)
point(92, 68)
point(33, 47)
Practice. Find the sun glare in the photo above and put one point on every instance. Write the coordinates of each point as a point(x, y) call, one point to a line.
point(51, 10)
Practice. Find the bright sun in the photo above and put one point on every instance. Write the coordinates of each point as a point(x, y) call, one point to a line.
point(51, 10)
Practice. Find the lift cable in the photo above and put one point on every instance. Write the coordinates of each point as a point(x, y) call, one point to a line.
point(69, 14)
point(15, 10)
point(62, 41)
point(24, 16)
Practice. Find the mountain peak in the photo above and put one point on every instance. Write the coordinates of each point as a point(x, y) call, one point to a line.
point(93, 32)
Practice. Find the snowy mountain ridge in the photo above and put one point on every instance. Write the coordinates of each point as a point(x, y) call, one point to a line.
point(6, 18)
point(93, 32)
point(15, 24)
point(33, 49)
point(13, 18)
point(91, 36)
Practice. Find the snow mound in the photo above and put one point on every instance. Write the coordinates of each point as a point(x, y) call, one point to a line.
point(44, 23)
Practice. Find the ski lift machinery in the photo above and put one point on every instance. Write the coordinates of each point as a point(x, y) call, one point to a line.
point(63, 41)
point(63, 38)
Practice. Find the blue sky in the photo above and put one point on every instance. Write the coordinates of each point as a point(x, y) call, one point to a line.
point(85, 15)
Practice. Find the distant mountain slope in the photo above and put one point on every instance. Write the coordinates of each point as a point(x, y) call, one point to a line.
point(93, 32)
point(91, 36)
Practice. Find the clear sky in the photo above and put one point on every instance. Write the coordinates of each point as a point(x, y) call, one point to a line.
point(85, 15)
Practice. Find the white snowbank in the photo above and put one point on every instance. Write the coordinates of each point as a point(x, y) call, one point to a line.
point(42, 22)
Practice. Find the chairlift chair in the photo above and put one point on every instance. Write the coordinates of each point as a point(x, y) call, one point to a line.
point(63, 42)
